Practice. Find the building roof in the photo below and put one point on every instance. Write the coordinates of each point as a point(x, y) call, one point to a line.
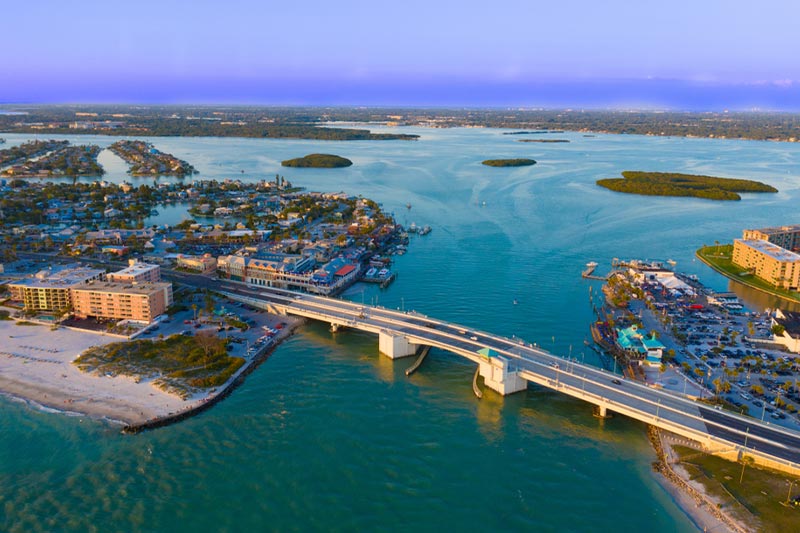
point(135, 268)
point(122, 288)
point(345, 270)
point(790, 320)
point(60, 279)
point(771, 250)
point(777, 229)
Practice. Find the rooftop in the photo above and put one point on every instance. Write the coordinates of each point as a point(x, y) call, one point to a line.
point(60, 279)
point(122, 288)
point(135, 268)
point(772, 250)
point(778, 229)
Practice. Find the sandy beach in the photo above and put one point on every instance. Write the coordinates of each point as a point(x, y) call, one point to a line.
point(704, 510)
point(36, 365)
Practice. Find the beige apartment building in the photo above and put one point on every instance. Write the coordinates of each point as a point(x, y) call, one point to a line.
point(49, 291)
point(770, 262)
point(141, 302)
point(787, 237)
point(136, 272)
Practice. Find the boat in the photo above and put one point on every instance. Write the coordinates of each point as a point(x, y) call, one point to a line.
point(412, 228)
point(425, 230)
point(591, 264)
point(371, 272)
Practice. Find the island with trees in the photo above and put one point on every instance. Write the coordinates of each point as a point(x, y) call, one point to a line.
point(519, 162)
point(318, 161)
point(675, 184)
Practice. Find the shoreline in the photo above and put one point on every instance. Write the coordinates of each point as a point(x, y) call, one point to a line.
point(704, 512)
point(54, 385)
point(225, 390)
point(713, 267)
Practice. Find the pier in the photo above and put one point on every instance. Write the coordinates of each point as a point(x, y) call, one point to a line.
point(589, 272)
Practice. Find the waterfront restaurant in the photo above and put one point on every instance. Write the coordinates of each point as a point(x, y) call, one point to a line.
point(649, 348)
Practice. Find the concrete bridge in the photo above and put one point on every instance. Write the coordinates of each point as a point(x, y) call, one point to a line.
point(508, 365)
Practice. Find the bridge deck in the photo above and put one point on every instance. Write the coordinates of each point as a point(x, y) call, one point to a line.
point(717, 430)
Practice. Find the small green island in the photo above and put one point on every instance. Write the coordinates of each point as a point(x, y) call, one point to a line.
point(674, 184)
point(509, 162)
point(318, 161)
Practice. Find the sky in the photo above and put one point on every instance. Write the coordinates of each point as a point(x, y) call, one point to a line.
point(698, 54)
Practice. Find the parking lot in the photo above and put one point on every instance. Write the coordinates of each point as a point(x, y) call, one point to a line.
point(726, 348)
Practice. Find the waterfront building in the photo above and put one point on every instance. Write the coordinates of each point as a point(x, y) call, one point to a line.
point(141, 302)
point(49, 290)
point(289, 272)
point(769, 262)
point(136, 272)
point(649, 348)
point(790, 337)
point(787, 237)
point(205, 264)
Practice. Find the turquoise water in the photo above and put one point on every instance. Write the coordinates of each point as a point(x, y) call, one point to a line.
point(327, 435)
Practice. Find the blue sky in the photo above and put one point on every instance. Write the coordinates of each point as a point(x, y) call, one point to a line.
point(684, 54)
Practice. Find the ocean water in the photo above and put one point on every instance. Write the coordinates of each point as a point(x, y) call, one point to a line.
point(328, 435)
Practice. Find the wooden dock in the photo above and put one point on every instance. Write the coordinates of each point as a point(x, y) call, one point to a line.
point(589, 273)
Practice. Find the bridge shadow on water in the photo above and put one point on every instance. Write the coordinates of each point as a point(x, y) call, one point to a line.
point(446, 377)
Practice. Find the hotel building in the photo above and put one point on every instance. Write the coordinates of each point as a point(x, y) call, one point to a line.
point(141, 302)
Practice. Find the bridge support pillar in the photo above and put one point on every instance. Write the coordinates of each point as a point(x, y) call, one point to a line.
point(395, 346)
point(501, 375)
point(601, 411)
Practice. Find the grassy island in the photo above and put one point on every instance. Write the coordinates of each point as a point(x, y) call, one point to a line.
point(509, 162)
point(179, 365)
point(674, 184)
point(318, 161)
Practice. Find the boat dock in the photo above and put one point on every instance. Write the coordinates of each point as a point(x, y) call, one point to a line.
point(589, 272)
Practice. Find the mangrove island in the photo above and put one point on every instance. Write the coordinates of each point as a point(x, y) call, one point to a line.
point(318, 161)
point(509, 162)
point(675, 184)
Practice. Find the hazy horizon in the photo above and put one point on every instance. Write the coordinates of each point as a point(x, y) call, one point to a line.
point(712, 56)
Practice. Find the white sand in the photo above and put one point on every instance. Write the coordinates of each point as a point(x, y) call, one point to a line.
point(36, 364)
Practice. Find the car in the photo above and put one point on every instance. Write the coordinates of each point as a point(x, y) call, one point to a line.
point(473, 338)
point(616, 381)
point(554, 365)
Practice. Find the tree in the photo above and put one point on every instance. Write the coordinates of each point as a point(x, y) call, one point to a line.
point(209, 343)
point(746, 460)
point(778, 330)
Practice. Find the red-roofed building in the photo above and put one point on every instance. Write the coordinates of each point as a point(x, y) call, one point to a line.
point(345, 270)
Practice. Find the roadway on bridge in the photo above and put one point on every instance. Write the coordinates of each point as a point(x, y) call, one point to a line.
point(637, 400)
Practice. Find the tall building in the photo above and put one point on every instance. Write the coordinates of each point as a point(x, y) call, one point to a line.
point(49, 290)
point(787, 237)
point(141, 302)
point(770, 262)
